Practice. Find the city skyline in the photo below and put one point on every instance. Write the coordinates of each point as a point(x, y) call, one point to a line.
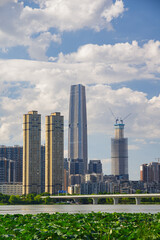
point(112, 47)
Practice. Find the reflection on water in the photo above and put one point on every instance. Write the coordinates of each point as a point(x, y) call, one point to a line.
point(34, 209)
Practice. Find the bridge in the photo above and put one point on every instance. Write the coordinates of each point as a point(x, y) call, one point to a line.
point(115, 197)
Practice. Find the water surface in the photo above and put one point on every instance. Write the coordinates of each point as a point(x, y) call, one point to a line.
point(34, 209)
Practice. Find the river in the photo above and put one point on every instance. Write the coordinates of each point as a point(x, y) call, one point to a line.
point(35, 209)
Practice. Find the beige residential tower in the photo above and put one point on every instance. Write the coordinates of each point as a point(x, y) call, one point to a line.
point(32, 153)
point(54, 156)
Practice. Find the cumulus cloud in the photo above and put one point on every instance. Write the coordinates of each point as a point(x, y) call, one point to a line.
point(116, 63)
point(31, 27)
point(141, 141)
point(133, 147)
point(106, 163)
point(45, 86)
point(114, 10)
point(38, 47)
point(72, 15)
point(122, 102)
point(154, 142)
point(4, 2)
point(107, 160)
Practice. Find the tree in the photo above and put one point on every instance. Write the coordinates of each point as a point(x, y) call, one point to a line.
point(14, 199)
point(4, 198)
point(30, 198)
point(138, 191)
point(45, 194)
point(38, 199)
point(47, 200)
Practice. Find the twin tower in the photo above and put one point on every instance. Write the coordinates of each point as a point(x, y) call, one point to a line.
point(54, 145)
point(54, 150)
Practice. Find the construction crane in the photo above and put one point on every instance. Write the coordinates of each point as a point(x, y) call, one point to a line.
point(119, 119)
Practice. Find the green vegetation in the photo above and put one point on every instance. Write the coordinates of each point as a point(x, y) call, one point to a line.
point(36, 199)
point(31, 199)
point(100, 226)
point(28, 199)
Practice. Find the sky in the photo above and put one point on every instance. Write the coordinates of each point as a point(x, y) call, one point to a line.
point(112, 47)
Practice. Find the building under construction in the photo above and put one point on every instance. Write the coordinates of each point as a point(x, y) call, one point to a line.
point(119, 152)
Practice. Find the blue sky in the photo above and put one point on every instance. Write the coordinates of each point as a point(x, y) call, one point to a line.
point(110, 46)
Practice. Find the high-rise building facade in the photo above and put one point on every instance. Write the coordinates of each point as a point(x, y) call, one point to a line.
point(14, 153)
point(42, 168)
point(76, 166)
point(54, 148)
point(95, 166)
point(66, 173)
point(32, 153)
point(77, 131)
point(7, 170)
point(144, 172)
point(119, 152)
point(150, 172)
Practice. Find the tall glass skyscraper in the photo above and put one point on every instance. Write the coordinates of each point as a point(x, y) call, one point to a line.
point(77, 131)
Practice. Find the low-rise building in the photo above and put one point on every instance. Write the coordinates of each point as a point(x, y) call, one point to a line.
point(94, 177)
point(11, 188)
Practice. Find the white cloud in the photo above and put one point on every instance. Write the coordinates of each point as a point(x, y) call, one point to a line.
point(104, 161)
point(4, 50)
point(141, 141)
point(154, 142)
point(133, 147)
point(114, 10)
point(4, 2)
point(122, 102)
point(45, 86)
point(106, 164)
point(73, 14)
point(117, 63)
point(24, 26)
point(38, 47)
